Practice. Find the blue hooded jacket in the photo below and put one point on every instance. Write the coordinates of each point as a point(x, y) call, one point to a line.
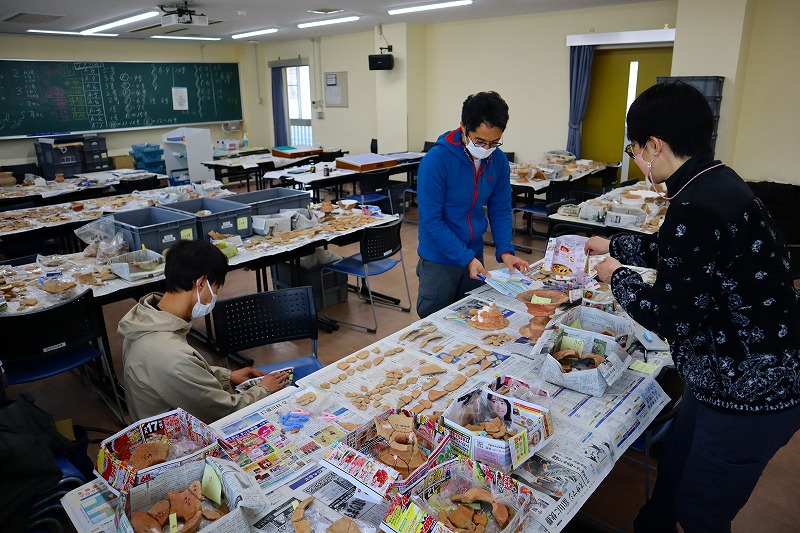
point(451, 195)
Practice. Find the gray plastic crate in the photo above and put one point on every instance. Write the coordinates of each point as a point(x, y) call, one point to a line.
point(229, 218)
point(155, 227)
point(271, 201)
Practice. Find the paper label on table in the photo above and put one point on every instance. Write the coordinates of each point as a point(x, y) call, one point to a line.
point(641, 366)
point(241, 223)
point(571, 343)
point(211, 486)
point(187, 234)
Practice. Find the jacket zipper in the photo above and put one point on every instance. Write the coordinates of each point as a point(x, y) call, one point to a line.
point(476, 176)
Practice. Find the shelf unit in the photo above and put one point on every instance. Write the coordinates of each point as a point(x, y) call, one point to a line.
point(185, 149)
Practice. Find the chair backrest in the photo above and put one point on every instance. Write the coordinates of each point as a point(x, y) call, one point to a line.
point(46, 333)
point(558, 190)
point(265, 318)
point(628, 183)
point(380, 242)
point(510, 156)
point(373, 146)
point(428, 145)
point(374, 182)
point(329, 157)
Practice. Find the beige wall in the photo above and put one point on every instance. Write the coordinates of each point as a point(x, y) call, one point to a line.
point(119, 143)
point(526, 60)
point(768, 132)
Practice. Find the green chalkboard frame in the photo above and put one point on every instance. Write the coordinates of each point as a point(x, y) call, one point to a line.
point(39, 97)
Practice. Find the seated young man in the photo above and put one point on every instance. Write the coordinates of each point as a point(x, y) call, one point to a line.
point(162, 372)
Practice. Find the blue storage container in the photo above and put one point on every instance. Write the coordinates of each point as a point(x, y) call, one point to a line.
point(229, 218)
point(156, 228)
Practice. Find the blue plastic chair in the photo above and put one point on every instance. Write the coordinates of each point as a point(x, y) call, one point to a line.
point(266, 318)
point(75, 335)
point(378, 245)
point(374, 190)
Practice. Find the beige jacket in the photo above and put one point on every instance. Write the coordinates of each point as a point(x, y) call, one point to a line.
point(162, 372)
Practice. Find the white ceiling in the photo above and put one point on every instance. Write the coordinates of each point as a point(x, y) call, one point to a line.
point(239, 16)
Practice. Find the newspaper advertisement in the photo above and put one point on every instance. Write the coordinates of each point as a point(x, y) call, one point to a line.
point(91, 507)
point(333, 497)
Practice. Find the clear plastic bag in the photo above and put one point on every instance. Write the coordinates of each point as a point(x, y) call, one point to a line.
point(111, 248)
point(101, 229)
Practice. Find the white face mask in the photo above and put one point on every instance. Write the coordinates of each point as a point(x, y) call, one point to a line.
point(646, 167)
point(478, 152)
point(200, 310)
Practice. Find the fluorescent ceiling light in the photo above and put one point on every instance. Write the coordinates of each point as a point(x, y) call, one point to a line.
point(326, 22)
point(185, 38)
point(429, 6)
point(74, 33)
point(129, 20)
point(254, 33)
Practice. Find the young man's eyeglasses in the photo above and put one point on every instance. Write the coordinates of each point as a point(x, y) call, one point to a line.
point(484, 144)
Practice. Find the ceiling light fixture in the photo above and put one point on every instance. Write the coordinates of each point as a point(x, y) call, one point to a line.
point(254, 33)
point(74, 33)
point(185, 38)
point(429, 6)
point(325, 11)
point(129, 20)
point(326, 22)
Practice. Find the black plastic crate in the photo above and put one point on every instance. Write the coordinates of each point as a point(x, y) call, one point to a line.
point(226, 217)
point(99, 166)
point(95, 157)
point(57, 155)
point(271, 201)
point(94, 144)
point(156, 228)
point(50, 170)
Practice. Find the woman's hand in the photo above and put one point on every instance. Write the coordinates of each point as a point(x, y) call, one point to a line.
point(596, 246)
point(605, 268)
point(243, 374)
point(275, 381)
point(513, 262)
point(475, 267)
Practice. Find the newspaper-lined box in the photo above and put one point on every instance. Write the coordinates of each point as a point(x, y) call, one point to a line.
point(172, 427)
point(218, 477)
point(532, 425)
point(370, 439)
point(592, 381)
point(618, 328)
point(428, 502)
point(372, 479)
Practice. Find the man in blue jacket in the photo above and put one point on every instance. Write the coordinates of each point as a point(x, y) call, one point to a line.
point(461, 174)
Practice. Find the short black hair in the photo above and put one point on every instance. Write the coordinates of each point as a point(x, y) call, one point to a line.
point(484, 108)
point(188, 261)
point(675, 112)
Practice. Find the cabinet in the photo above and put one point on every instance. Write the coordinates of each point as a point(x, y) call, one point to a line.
point(185, 149)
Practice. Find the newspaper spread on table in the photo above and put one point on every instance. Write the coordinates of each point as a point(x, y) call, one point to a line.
point(445, 349)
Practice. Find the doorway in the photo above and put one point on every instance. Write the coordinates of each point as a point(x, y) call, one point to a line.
point(298, 99)
point(603, 135)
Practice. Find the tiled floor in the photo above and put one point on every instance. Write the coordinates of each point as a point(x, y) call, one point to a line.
point(772, 508)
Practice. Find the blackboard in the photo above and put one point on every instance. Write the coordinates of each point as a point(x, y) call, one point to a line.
point(49, 97)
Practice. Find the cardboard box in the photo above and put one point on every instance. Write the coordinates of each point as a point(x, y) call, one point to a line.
point(532, 423)
point(592, 381)
point(435, 443)
point(419, 511)
point(365, 162)
point(112, 458)
point(122, 161)
point(294, 152)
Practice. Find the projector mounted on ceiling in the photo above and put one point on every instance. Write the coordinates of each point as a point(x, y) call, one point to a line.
point(181, 15)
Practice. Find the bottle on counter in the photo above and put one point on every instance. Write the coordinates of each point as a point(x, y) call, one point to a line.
point(245, 141)
point(326, 171)
point(313, 168)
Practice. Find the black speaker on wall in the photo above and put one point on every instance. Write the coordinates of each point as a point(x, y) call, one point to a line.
point(381, 62)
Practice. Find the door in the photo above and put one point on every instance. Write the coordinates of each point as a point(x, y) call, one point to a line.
point(298, 98)
point(603, 130)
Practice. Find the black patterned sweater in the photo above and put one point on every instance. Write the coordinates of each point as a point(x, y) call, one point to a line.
point(723, 297)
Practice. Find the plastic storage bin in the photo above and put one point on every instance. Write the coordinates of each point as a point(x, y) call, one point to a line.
point(94, 144)
point(271, 201)
point(50, 170)
point(154, 227)
point(229, 218)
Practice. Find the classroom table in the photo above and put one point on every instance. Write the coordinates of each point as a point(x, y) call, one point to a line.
point(251, 166)
point(591, 433)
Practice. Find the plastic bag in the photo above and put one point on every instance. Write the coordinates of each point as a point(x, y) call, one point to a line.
point(112, 248)
point(101, 229)
point(319, 258)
